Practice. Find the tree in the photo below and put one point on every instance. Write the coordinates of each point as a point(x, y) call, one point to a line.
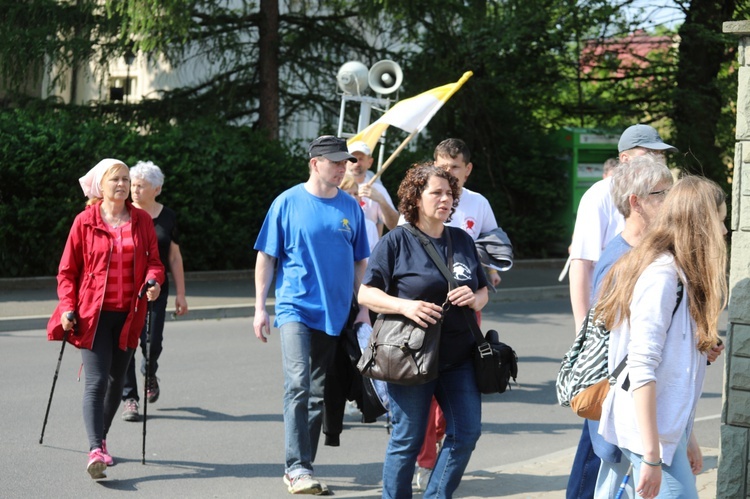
point(698, 97)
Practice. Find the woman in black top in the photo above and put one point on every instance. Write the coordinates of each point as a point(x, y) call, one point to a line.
point(401, 278)
point(146, 183)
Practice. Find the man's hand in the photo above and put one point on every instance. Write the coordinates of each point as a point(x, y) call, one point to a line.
point(494, 277)
point(262, 324)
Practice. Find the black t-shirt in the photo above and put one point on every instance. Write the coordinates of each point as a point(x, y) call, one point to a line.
point(401, 267)
point(165, 226)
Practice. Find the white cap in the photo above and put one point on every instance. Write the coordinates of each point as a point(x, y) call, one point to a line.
point(359, 146)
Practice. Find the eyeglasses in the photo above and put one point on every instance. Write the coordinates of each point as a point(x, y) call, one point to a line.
point(662, 192)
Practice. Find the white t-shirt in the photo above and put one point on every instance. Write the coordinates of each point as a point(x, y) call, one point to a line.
point(473, 214)
point(597, 222)
point(371, 208)
point(372, 233)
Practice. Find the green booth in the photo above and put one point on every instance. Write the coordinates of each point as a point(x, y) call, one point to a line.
point(583, 151)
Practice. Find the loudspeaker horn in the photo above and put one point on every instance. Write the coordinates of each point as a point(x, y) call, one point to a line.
point(385, 77)
point(352, 78)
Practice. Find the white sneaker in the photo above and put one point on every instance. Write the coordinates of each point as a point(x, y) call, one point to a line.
point(303, 484)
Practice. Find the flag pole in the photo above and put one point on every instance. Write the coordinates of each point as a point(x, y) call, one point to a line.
point(443, 100)
point(391, 158)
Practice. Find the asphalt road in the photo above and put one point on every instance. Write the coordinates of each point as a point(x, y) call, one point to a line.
point(217, 429)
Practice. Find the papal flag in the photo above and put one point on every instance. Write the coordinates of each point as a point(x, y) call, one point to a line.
point(412, 114)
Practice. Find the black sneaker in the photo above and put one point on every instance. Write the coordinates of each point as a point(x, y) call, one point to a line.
point(130, 413)
point(152, 389)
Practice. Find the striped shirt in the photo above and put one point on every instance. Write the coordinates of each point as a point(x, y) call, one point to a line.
point(120, 286)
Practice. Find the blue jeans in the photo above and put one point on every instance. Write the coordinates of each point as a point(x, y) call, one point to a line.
point(456, 392)
point(582, 480)
point(677, 480)
point(306, 354)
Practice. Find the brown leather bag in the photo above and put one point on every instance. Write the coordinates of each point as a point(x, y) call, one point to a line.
point(401, 352)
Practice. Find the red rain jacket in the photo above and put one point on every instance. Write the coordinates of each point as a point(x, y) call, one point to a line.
point(82, 276)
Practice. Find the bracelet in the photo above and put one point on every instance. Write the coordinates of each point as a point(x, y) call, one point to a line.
point(658, 463)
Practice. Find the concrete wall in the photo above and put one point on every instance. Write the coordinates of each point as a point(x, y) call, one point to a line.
point(733, 480)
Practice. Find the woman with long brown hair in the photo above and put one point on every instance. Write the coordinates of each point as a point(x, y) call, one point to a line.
point(661, 303)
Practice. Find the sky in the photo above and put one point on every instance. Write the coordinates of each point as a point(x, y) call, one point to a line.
point(658, 12)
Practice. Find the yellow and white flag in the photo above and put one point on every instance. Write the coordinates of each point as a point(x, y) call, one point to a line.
point(412, 114)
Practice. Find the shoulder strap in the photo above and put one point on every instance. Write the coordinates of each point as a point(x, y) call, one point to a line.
point(432, 252)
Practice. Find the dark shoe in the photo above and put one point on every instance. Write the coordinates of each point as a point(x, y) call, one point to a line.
point(152, 389)
point(130, 413)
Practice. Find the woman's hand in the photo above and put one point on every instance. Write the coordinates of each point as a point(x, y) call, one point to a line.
point(67, 324)
point(695, 456)
point(152, 293)
point(649, 482)
point(423, 313)
point(180, 305)
point(462, 296)
point(715, 351)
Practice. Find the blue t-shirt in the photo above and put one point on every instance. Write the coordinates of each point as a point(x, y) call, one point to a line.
point(401, 267)
point(316, 241)
point(615, 249)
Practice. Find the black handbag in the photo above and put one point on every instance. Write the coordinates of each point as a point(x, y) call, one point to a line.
point(495, 363)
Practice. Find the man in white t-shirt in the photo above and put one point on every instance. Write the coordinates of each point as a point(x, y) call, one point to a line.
point(473, 213)
point(598, 220)
point(374, 199)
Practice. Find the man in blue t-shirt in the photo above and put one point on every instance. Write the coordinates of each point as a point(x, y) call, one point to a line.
point(316, 233)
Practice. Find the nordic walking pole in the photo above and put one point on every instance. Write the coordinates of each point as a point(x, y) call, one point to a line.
point(621, 490)
point(149, 284)
point(71, 316)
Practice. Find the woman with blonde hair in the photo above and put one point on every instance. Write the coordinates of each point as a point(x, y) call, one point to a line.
point(110, 255)
point(661, 303)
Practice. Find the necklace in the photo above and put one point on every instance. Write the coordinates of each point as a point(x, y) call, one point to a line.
point(115, 222)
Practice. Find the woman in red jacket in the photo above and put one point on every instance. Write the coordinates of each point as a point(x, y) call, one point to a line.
point(110, 254)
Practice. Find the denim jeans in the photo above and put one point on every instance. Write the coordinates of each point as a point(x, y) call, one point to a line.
point(610, 479)
point(456, 391)
point(306, 354)
point(677, 479)
point(583, 474)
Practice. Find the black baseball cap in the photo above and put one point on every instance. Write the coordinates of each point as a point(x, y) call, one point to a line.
point(331, 148)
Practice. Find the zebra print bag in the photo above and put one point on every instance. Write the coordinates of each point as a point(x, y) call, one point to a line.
point(586, 362)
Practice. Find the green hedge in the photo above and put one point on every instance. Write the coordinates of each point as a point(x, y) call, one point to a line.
point(220, 180)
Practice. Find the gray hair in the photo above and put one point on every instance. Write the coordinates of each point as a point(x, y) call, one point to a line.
point(639, 176)
point(148, 171)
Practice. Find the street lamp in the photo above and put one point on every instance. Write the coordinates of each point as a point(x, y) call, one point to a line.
point(129, 59)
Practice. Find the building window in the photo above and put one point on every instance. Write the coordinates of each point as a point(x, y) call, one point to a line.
point(121, 88)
